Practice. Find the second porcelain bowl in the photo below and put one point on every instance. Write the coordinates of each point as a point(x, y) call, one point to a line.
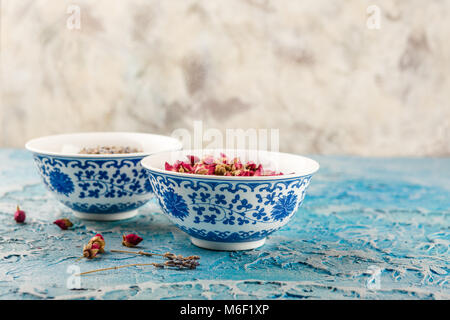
point(230, 213)
point(98, 186)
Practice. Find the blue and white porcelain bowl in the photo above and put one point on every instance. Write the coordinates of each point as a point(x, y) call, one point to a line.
point(98, 186)
point(227, 212)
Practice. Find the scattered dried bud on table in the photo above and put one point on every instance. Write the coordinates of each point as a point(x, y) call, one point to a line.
point(169, 255)
point(131, 240)
point(19, 215)
point(190, 264)
point(192, 258)
point(64, 223)
point(90, 250)
point(177, 262)
point(181, 264)
point(98, 239)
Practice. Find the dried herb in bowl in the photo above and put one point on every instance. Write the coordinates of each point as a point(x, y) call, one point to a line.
point(222, 166)
point(109, 150)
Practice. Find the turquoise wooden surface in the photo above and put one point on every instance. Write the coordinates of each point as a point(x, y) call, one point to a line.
point(371, 228)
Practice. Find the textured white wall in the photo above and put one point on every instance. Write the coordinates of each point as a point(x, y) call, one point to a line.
point(311, 68)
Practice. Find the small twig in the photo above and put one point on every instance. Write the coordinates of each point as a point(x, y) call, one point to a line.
point(118, 267)
point(180, 265)
point(177, 262)
point(138, 252)
point(166, 255)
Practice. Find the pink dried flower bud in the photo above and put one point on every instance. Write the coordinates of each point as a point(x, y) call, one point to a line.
point(19, 215)
point(259, 171)
point(99, 241)
point(223, 158)
point(177, 166)
point(220, 170)
point(208, 160)
point(250, 166)
point(168, 167)
point(193, 159)
point(64, 223)
point(100, 236)
point(131, 240)
point(90, 250)
point(186, 167)
point(222, 166)
point(202, 169)
point(95, 246)
point(207, 169)
point(237, 164)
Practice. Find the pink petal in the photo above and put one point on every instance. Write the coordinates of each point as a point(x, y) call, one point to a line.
point(193, 159)
point(168, 167)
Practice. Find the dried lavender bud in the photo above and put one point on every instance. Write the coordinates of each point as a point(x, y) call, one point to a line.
point(109, 150)
point(192, 258)
point(171, 263)
point(181, 264)
point(169, 255)
point(190, 264)
point(19, 215)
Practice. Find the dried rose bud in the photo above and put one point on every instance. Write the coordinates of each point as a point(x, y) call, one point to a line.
point(131, 240)
point(204, 169)
point(19, 215)
point(220, 170)
point(100, 241)
point(259, 171)
point(185, 167)
point(250, 166)
point(208, 160)
point(222, 166)
point(193, 159)
point(168, 167)
point(90, 250)
point(64, 223)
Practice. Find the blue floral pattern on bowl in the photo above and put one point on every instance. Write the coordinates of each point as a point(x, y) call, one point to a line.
point(100, 186)
point(228, 210)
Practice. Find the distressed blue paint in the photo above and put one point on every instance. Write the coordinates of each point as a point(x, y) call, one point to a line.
point(358, 214)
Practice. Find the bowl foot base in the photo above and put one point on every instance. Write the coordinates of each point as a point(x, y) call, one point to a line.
point(105, 216)
point(227, 246)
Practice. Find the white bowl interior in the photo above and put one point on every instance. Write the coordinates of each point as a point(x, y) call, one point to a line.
point(71, 144)
point(288, 164)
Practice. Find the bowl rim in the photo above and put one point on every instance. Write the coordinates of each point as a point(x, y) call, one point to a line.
point(286, 176)
point(29, 145)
